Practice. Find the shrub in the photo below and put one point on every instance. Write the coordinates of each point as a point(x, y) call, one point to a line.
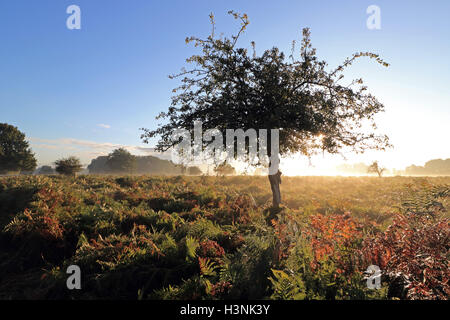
point(413, 253)
point(69, 166)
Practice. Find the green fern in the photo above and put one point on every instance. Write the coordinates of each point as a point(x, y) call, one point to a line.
point(287, 287)
point(191, 247)
point(207, 267)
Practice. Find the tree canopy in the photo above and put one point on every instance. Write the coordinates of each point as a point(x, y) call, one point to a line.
point(68, 166)
point(432, 167)
point(121, 161)
point(224, 169)
point(45, 170)
point(144, 165)
point(15, 152)
point(194, 171)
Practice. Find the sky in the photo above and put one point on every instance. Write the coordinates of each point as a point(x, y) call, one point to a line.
point(85, 92)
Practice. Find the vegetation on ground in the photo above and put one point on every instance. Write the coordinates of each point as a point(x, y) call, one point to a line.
point(68, 166)
point(218, 237)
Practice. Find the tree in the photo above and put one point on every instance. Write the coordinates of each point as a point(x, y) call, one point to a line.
point(98, 165)
point(15, 152)
point(438, 166)
point(68, 166)
point(376, 168)
point(228, 88)
point(46, 170)
point(432, 167)
point(155, 165)
point(224, 169)
point(121, 161)
point(144, 165)
point(194, 171)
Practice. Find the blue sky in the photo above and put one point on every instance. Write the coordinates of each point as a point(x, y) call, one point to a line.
point(84, 92)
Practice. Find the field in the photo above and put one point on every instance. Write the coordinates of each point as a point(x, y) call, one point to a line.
point(180, 237)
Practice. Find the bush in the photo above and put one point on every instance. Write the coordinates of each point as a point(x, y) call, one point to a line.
point(413, 253)
point(69, 166)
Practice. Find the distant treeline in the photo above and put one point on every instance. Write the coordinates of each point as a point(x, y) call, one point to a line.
point(432, 167)
point(144, 165)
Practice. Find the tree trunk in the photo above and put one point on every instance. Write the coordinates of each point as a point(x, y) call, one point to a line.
point(274, 175)
point(275, 181)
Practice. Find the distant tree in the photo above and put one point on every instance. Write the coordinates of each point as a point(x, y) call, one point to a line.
point(68, 166)
point(98, 165)
point(194, 171)
point(228, 88)
point(224, 169)
point(415, 170)
point(144, 165)
point(432, 167)
point(376, 168)
point(437, 166)
point(155, 165)
point(15, 152)
point(45, 170)
point(121, 161)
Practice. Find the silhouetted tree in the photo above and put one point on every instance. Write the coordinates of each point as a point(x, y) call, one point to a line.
point(98, 165)
point(438, 166)
point(155, 165)
point(121, 161)
point(144, 165)
point(45, 170)
point(228, 88)
point(432, 167)
point(224, 169)
point(376, 168)
point(68, 166)
point(194, 171)
point(15, 152)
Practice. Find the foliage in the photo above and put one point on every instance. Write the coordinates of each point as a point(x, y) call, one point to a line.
point(300, 96)
point(376, 168)
point(413, 252)
point(15, 152)
point(144, 165)
point(286, 287)
point(121, 161)
point(432, 167)
point(224, 169)
point(216, 237)
point(68, 166)
point(194, 171)
point(45, 170)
